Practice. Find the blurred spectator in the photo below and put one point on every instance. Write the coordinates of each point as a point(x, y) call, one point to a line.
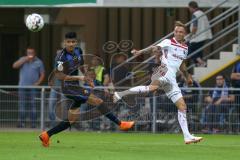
point(218, 104)
point(119, 74)
point(192, 97)
point(31, 74)
point(199, 33)
point(94, 124)
point(235, 78)
point(92, 74)
point(51, 107)
point(53, 99)
point(101, 74)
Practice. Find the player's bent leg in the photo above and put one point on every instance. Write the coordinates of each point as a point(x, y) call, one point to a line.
point(182, 118)
point(181, 105)
point(94, 100)
point(103, 110)
point(123, 125)
point(73, 115)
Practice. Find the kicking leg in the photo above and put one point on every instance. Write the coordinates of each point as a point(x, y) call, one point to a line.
point(136, 90)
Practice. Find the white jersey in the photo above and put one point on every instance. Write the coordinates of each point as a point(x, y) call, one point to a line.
point(173, 55)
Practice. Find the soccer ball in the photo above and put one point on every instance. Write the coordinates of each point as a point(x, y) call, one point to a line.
point(34, 22)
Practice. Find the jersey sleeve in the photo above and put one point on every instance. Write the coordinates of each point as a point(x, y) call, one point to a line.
point(164, 44)
point(234, 69)
point(57, 59)
point(82, 59)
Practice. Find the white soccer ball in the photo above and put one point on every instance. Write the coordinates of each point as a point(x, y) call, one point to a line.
point(34, 22)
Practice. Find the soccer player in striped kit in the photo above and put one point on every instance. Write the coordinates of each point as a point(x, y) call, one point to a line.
point(67, 63)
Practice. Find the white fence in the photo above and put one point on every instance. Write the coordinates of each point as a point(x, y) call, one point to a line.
point(38, 108)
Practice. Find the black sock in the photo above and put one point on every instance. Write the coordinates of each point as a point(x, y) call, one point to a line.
point(60, 127)
point(113, 118)
point(107, 113)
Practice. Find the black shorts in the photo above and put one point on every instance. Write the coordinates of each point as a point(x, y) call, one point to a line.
point(79, 97)
point(77, 101)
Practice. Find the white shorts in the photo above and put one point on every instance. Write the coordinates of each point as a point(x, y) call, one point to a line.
point(170, 87)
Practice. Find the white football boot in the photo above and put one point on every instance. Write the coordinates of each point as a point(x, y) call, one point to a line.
point(116, 97)
point(192, 139)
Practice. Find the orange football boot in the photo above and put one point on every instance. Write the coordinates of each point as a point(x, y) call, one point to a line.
point(44, 137)
point(125, 125)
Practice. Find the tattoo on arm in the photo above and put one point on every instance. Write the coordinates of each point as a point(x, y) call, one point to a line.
point(147, 50)
point(185, 73)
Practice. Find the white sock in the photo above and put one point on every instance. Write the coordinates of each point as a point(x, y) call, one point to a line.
point(182, 119)
point(135, 90)
point(139, 89)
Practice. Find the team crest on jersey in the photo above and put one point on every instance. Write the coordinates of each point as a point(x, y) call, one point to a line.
point(60, 66)
point(76, 58)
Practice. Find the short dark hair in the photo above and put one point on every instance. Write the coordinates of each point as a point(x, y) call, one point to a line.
point(221, 75)
point(193, 4)
point(71, 35)
point(30, 47)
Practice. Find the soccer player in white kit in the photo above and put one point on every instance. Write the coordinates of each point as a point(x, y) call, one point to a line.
point(172, 54)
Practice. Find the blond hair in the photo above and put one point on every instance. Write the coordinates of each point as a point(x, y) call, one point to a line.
point(180, 24)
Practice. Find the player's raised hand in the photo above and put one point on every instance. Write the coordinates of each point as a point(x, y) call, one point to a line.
point(106, 92)
point(89, 81)
point(157, 52)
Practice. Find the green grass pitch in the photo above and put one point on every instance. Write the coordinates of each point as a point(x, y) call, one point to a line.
point(117, 146)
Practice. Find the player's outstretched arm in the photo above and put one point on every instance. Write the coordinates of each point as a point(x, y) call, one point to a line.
point(148, 50)
point(64, 77)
